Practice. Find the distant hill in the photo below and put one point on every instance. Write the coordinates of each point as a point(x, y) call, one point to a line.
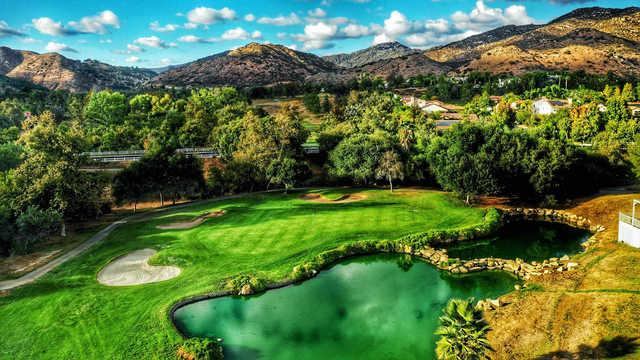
point(250, 65)
point(371, 54)
point(56, 72)
point(596, 40)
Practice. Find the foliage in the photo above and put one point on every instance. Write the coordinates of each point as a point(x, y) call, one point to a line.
point(390, 167)
point(200, 349)
point(463, 332)
point(34, 225)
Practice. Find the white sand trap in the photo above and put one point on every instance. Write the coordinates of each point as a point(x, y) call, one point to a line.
point(133, 269)
point(191, 224)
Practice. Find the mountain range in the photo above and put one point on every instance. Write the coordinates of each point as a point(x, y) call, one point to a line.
point(597, 40)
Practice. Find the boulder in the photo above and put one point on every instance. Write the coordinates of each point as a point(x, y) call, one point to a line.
point(246, 290)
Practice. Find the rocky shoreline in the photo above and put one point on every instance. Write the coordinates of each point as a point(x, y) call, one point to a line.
point(518, 267)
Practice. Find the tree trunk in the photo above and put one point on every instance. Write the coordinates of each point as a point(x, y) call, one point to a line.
point(135, 205)
point(161, 199)
point(467, 200)
point(390, 183)
point(63, 229)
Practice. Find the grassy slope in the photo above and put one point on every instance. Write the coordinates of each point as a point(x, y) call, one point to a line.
point(69, 315)
point(593, 312)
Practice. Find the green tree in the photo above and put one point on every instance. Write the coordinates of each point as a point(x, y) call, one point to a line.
point(105, 108)
point(34, 225)
point(463, 332)
point(282, 171)
point(479, 106)
point(312, 102)
point(390, 168)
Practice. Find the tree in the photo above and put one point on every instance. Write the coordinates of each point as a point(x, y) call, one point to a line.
point(282, 172)
point(463, 332)
point(390, 168)
point(34, 225)
point(312, 102)
point(479, 106)
point(357, 157)
point(105, 108)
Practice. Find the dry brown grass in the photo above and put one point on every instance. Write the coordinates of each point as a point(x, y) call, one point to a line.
point(571, 315)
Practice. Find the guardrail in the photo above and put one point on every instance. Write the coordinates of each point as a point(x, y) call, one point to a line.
point(627, 219)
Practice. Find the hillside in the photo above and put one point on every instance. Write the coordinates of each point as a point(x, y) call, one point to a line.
point(57, 72)
point(250, 65)
point(594, 39)
point(371, 54)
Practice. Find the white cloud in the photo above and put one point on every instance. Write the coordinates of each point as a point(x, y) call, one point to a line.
point(155, 26)
point(153, 41)
point(97, 24)
point(165, 61)
point(355, 31)
point(282, 35)
point(317, 12)
point(58, 47)
point(256, 35)
point(291, 19)
point(235, 34)
point(134, 48)
point(48, 26)
point(250, 17)
point(132, 59)
point(317, 36)
point(483, 17)
point(206, 16)
point(29, 40)
point(190, 26)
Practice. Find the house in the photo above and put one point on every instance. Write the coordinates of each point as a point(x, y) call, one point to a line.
point(545, 106)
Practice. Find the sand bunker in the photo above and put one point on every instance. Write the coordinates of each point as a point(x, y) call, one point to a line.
point(346, 198)
point(133, 269)
point(191, 224)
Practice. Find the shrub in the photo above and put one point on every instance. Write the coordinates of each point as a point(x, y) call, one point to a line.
point(34, 225)
point(244, 282)
point(200, 349)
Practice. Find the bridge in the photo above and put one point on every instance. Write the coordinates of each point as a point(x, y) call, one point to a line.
point(200, 152)
point(135, 155)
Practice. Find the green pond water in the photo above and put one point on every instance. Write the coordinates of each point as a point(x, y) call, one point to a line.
point(530, 241)
point(374, 307)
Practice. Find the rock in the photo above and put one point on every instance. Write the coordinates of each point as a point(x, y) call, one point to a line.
point(571, 266)
point(517, 287)
point(246, 290)
point(565, 258)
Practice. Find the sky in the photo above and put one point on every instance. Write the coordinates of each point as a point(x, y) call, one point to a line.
point(156, 33)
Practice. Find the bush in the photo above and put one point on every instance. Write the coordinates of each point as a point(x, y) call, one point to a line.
point(200, 349)
point(35, 225)
point(244, 282)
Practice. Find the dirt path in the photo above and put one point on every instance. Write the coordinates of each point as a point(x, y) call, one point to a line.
point(134, 269)
point(36, 274)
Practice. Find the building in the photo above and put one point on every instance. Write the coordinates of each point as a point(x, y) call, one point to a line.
point(545, 106)
point(629, 227)
point(634, 109)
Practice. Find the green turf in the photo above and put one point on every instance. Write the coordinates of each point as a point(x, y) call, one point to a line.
point(68, 315)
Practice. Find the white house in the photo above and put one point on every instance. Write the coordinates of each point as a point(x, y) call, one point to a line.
point(629, 227)
point(433, 107)
point(543, 107)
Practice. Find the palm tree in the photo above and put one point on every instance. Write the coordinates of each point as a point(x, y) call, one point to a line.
point(463, 332)
point(390, 167)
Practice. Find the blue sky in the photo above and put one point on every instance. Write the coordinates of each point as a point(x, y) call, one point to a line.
point(152, 33)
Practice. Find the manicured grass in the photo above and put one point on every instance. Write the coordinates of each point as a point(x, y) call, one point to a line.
point(68, 315)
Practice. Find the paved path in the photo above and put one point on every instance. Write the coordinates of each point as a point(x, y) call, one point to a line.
point(39, 272)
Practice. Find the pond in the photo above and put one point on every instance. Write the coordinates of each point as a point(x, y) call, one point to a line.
point(527, 240)
point(373, 307)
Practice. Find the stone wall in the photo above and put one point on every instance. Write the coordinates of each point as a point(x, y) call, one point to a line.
point(518, 267)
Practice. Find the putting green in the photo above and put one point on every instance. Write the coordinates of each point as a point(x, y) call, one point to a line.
point(264, 234)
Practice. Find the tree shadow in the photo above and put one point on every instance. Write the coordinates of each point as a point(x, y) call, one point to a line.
point(606, 349)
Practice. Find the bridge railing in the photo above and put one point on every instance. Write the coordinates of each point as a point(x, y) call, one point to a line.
point(628, 219)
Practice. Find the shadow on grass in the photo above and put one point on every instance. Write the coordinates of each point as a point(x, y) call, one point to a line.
point(606, 349)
